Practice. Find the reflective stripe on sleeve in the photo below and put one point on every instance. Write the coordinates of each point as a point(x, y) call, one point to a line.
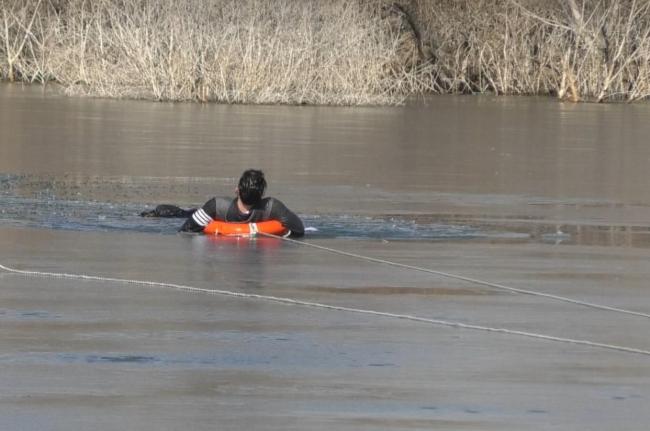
point(201, 217)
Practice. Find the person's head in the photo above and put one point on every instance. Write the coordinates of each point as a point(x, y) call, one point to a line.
point(251, 187)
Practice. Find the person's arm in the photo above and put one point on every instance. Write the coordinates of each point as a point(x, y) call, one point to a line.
point(287, 217)
point(201, 217)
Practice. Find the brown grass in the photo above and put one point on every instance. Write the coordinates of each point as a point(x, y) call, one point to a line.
point(235, 51)
point(341, 52)
point(577, 50)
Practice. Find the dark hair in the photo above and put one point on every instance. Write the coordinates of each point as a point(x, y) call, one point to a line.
point(251, 186)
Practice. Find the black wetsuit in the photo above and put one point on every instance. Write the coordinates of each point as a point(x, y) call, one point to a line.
point(226, 209)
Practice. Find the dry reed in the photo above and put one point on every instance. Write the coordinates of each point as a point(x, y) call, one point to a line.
point(343, 52)
point(235, 51)
point(579, 50)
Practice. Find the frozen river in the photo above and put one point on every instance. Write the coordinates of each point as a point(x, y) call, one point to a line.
point(524, 192)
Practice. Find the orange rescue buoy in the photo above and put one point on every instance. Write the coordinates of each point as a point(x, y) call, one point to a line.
point(218, 227)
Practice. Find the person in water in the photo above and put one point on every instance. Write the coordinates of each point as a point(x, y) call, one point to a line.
point(249, 206)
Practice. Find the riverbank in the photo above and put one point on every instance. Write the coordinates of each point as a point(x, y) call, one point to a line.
point(333, 53)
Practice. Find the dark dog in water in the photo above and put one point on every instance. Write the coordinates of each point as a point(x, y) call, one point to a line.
point(168, 211)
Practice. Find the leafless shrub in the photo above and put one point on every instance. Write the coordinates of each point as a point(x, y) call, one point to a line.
point(335, 52)
point(589, 49)
point(17, 23)
point(248, 51)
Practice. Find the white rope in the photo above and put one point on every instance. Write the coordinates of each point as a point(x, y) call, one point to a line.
point(327, 307)
point(463, 278)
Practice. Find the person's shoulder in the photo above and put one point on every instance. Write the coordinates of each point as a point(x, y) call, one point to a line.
point(223, 203)
point(270, 202)
point(217, 206)
point(223, 199)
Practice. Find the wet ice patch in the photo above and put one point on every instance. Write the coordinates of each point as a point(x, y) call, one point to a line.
point(109, 358)
point(121, 359)
point(389, 228)
point(27, 314)
point(51, 213)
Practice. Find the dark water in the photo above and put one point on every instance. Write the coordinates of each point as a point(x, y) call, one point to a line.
point(47, 211)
